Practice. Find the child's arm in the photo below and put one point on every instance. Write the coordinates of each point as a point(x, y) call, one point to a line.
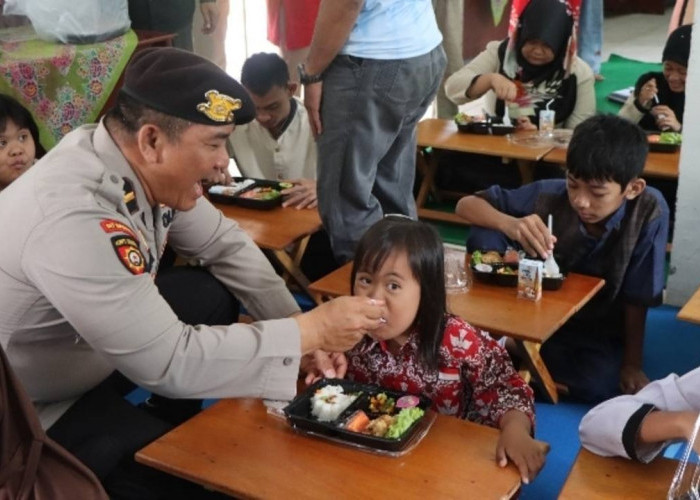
point(632, 378)
point(636, 426)
point(661, 426)
point(517, 444)
point(530, 231)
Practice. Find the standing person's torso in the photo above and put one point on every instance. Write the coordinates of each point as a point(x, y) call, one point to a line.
point(393, 29)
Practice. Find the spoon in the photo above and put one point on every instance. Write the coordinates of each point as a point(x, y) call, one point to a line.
point(506, 115)
point(551, 268)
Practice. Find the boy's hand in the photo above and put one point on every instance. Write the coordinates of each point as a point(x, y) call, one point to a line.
point(504, 88)
point(301, 195)
point(532, 233)
point(632, 379)
point(516, 444)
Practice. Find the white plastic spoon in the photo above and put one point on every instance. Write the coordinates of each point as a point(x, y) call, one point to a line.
point(551, 268)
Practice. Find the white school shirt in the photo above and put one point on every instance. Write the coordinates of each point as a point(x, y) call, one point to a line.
point(291, 156)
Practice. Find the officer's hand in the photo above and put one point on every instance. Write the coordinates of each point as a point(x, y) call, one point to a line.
point(647, 92)
point(339, 324)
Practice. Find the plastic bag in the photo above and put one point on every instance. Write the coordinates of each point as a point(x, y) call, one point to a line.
point(74, 21)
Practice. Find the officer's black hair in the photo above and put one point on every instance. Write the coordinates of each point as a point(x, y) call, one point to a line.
point(130, 115)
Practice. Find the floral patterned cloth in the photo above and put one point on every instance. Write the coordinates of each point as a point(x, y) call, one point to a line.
point(475, 379)
point(64, 86)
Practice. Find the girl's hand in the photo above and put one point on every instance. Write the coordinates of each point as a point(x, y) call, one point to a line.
point(504, 88)
point(321, 364)
point(524, 123)
point(516, 444)
point(647, 93)
point(666, 118)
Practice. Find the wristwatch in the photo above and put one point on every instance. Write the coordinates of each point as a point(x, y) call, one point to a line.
point(307, 79)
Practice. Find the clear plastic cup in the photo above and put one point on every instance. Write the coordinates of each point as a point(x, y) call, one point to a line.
point(456, 277)
point(547, 121)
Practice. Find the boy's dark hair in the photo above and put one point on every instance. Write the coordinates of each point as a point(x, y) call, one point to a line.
point(262, 71)
point(607, 148)
point(12, 110)
point(424, 250)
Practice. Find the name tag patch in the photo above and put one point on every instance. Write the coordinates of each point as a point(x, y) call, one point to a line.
point(114, 226)
point(128, 252)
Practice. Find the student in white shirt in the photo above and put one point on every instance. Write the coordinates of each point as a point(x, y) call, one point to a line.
point(278, 144)
point(639, 426)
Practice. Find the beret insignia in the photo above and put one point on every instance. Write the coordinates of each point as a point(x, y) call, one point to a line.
point(219, 107)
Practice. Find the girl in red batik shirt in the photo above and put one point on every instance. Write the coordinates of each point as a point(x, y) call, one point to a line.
point(424, 350)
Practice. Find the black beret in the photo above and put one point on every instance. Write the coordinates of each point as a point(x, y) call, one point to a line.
point(185, 85)
point(677, 47)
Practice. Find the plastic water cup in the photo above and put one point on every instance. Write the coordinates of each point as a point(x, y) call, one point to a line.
point(547, 121)
point(456, 278)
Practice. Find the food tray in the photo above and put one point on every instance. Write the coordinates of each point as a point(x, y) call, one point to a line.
point(496, 278)
point(299, 415)
point(485, 128)
point(237, 196)
point(663, 147)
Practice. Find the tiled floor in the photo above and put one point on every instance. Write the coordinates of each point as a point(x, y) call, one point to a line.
point(636, 36)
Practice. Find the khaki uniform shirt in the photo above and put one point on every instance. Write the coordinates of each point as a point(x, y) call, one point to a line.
point(78, 300)
point(291, 156)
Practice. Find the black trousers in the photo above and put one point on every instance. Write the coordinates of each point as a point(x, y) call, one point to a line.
point(104, 430)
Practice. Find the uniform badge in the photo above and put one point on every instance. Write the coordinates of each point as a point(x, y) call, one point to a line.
point(128, 252)
point(114, 226)
point(219, 107)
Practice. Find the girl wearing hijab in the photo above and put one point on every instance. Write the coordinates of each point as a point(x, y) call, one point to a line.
point(659, 97)
point(535, 68)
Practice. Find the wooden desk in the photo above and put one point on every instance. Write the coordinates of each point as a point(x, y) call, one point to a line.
point(498, 310)
point(691, 310)
point(237, 448)
point(284, 232)
point(661, 165)
point(443, 134)
point(616, 478)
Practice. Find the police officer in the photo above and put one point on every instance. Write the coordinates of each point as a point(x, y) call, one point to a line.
point(82, 235)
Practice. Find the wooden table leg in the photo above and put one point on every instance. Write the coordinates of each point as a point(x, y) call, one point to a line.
point(290, 267)
point(427, 167)
point(530, 353)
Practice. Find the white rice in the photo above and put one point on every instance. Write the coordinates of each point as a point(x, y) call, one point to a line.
point(329, 402)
